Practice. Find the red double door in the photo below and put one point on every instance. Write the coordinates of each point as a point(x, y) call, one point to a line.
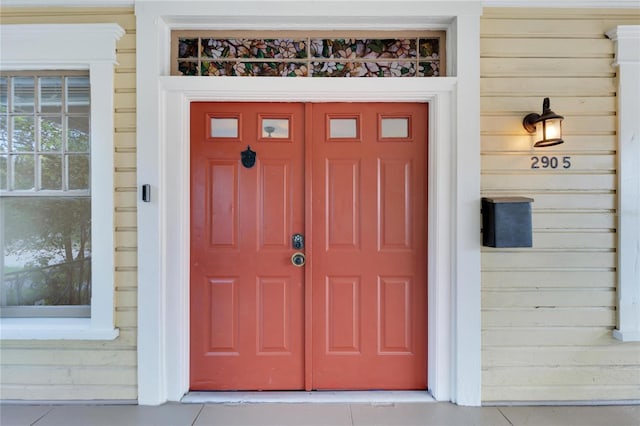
point(351, 179)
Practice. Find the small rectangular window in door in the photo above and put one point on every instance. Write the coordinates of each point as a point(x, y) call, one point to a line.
point(395, 128)
point(275, 128)
point(343, 127)
point(224, 127)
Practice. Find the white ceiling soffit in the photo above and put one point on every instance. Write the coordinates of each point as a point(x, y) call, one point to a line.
point(617, 4)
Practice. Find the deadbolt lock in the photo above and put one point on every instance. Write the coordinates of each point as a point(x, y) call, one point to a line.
point(297, 241)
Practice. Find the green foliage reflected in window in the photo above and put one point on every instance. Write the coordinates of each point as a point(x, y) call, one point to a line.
point(47, 251)
point(45, 198)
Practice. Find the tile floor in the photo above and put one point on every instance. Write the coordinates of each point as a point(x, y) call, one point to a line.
point(329, 414)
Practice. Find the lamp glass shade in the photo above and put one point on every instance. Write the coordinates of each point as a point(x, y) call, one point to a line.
point(547, 126)
point(549, 129)
point(539, 131)
point(549, 132)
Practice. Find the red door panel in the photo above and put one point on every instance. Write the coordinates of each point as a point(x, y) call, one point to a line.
point(369, 247)
point(366, 318)
point(247, 298)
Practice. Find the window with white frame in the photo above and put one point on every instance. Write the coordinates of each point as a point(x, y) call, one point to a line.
point(45, 194)
point(56, 181)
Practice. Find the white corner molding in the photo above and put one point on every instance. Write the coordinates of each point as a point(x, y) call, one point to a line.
point(81, 47)
point(627, 60)
point(454, 350)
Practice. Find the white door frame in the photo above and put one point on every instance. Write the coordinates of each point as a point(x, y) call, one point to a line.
point(454, 369)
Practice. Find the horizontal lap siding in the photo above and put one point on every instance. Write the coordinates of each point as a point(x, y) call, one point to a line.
point(548, 311)
point(77, 370)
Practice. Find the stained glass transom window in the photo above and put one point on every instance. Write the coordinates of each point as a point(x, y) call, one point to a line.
point(409, 56)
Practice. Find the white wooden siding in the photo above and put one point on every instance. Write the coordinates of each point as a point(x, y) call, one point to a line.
point(75, 370)
point(548, 311)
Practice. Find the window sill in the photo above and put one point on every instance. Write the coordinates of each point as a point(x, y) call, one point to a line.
point(53, 329)
point(627, 335)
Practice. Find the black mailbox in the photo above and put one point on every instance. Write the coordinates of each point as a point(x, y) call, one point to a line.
point(506, 222)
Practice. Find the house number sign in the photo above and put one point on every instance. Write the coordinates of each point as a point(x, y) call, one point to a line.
point(545, 162)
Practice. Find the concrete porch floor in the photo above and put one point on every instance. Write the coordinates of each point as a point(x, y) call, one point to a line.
point(329, 414)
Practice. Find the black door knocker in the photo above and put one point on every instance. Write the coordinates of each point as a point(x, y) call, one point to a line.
point(248, 157)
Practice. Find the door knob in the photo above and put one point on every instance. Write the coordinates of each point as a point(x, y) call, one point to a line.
point(298, 259)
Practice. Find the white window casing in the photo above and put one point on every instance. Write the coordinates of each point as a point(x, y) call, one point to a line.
point(76, 47)
point(627, 60)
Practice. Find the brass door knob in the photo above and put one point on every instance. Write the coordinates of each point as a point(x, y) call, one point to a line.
point(298, 259)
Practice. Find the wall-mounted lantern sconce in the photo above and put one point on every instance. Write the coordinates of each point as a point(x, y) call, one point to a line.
point(547, 127)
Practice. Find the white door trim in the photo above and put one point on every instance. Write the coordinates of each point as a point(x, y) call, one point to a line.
point(454, 190)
